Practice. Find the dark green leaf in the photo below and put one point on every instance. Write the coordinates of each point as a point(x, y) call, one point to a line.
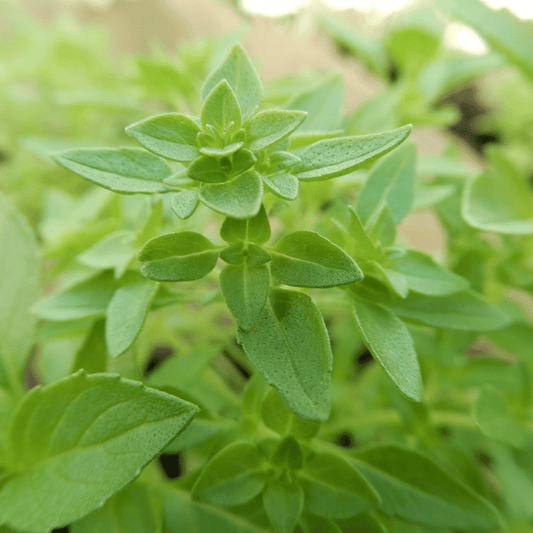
point(288, 454)
point(284, 503)
point(269, 126)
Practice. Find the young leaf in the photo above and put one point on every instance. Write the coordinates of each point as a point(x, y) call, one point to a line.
point(77, 442)
point(306, 259)
point(434, 498)
point(288, 454)
point(364, 248)
point(171, 135)
point(221, 110)
point(125, 170)
point(289, 346)
point(126, 313)
point(240, 74)
point(215, 170)
point(283, 184)
point(274, 413)
point(389, 341)
point(239, 198)
point(184, 203)
point(334, 488)
point(255, 229)
point(233, 476)
point(182, 256)
point(269, 126)
point(335, 157)
point(284, 503)
point(245, 290)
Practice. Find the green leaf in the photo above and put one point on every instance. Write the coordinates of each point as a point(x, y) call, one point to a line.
point(269, 126)
point(414, 487)
point(20, 264)
point(392, 182)
point(425, 276)
point(182, 256)
point(301, 139)
point(382, 227)
point(335, 157)
point(225, 151)
point(240, 74)
point(311, 523)
point(92, 355)
point(125, 170)
point(245, 289)
point(221, 110)
point(289, 346)
point(274, 413)
point(364, 248)
point(77, 442)
point(126, 314)
point(255, 229)
point(288, 454)
point(390, 342)
point(171, 135)
point(215, 170)
point(233, 476)
point(283, 184)
point(198, 432)
point(306, 259)
point(283, 503)
point(334, 488)
point(239, 198)
point(184, 203)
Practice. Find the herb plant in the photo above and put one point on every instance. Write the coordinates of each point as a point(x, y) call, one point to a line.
point(399, 399)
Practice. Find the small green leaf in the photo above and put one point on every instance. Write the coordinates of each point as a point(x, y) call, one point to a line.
point(274, 413)
point(334, 488)
point(335, 157)
point(240, 74)
point(269, 126)
point(256, 256)
point(225, 151)
point(239, 198)
point(283, 503)
point(245, 290)
point(184, 203)
point(306, 259)
point(233, 476)
point(288, 454)
point(218, 170)
point(182, 256)
point(75, 443)
point(289, 345)
point(171, 135)
point(126, 314)
point(389, 341)
point(255, 229)
point(92, 355)
point(382, 228)
point(283, 184)
point(221, 110)
point(125, 170)
point(364, 248)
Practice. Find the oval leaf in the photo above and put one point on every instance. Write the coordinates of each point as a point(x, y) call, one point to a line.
point(269, 126)
point(184, 203)
point(283, 184)
point(255, 229)
point(283, 503)
point(221, 110)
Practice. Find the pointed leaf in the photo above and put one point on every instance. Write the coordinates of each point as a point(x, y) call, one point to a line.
point(255, 229)
point(269, 126)
point(184, 203)
point(283, 184)
point(284, 503)
point(92, 356)
point(221, 110)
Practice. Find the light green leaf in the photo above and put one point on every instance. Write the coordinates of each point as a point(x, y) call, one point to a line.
point(300, 139)
point(434, 498)
point(125, 170)
point(212, 170)
point(126, 314)
point(334, 488)
point(392, 182)
point(20, 264)
point(240, 74)
point(382, 227)
point(239, 198)
point(283, 184)
point(184, 203)
point(289, 346)
point(225, 151)
point(283, 503)
point(269, 126)
point(92, 354)
point(306, 259)
point(233, 476)
point(171, 135)
point(390, 342)
point(363, 248)
point(335, 157)
point(221, 110)
point(255, 229)
point(395, 281)
point(75, 443)
point(198, 432)
point(182, 256)
point(425, 276)
point(245, 290)
point(274, 413)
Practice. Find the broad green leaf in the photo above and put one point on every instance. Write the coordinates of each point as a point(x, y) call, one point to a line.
point(233, 476)
point(215, 170)
point(390, 342)
point(245, 289)
point(391, 181)
point(335, 157)
point(221, 110)
point(269, 126)
point(240, 74)
point(283, 184)
point(306, 259)
point(289, 346)
point(334, 488)
point(283, 503)
point(92, 355)
point(126, 314)
point(184, 203)
point(425, 276)
point(171, 135)
point(182, 256)
point(274, 413)
point(239, 198)
point(414, 487)
point(77, 442)
point(125, 170)
point(20, 264)
point(132, 510)
point(255, 229)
